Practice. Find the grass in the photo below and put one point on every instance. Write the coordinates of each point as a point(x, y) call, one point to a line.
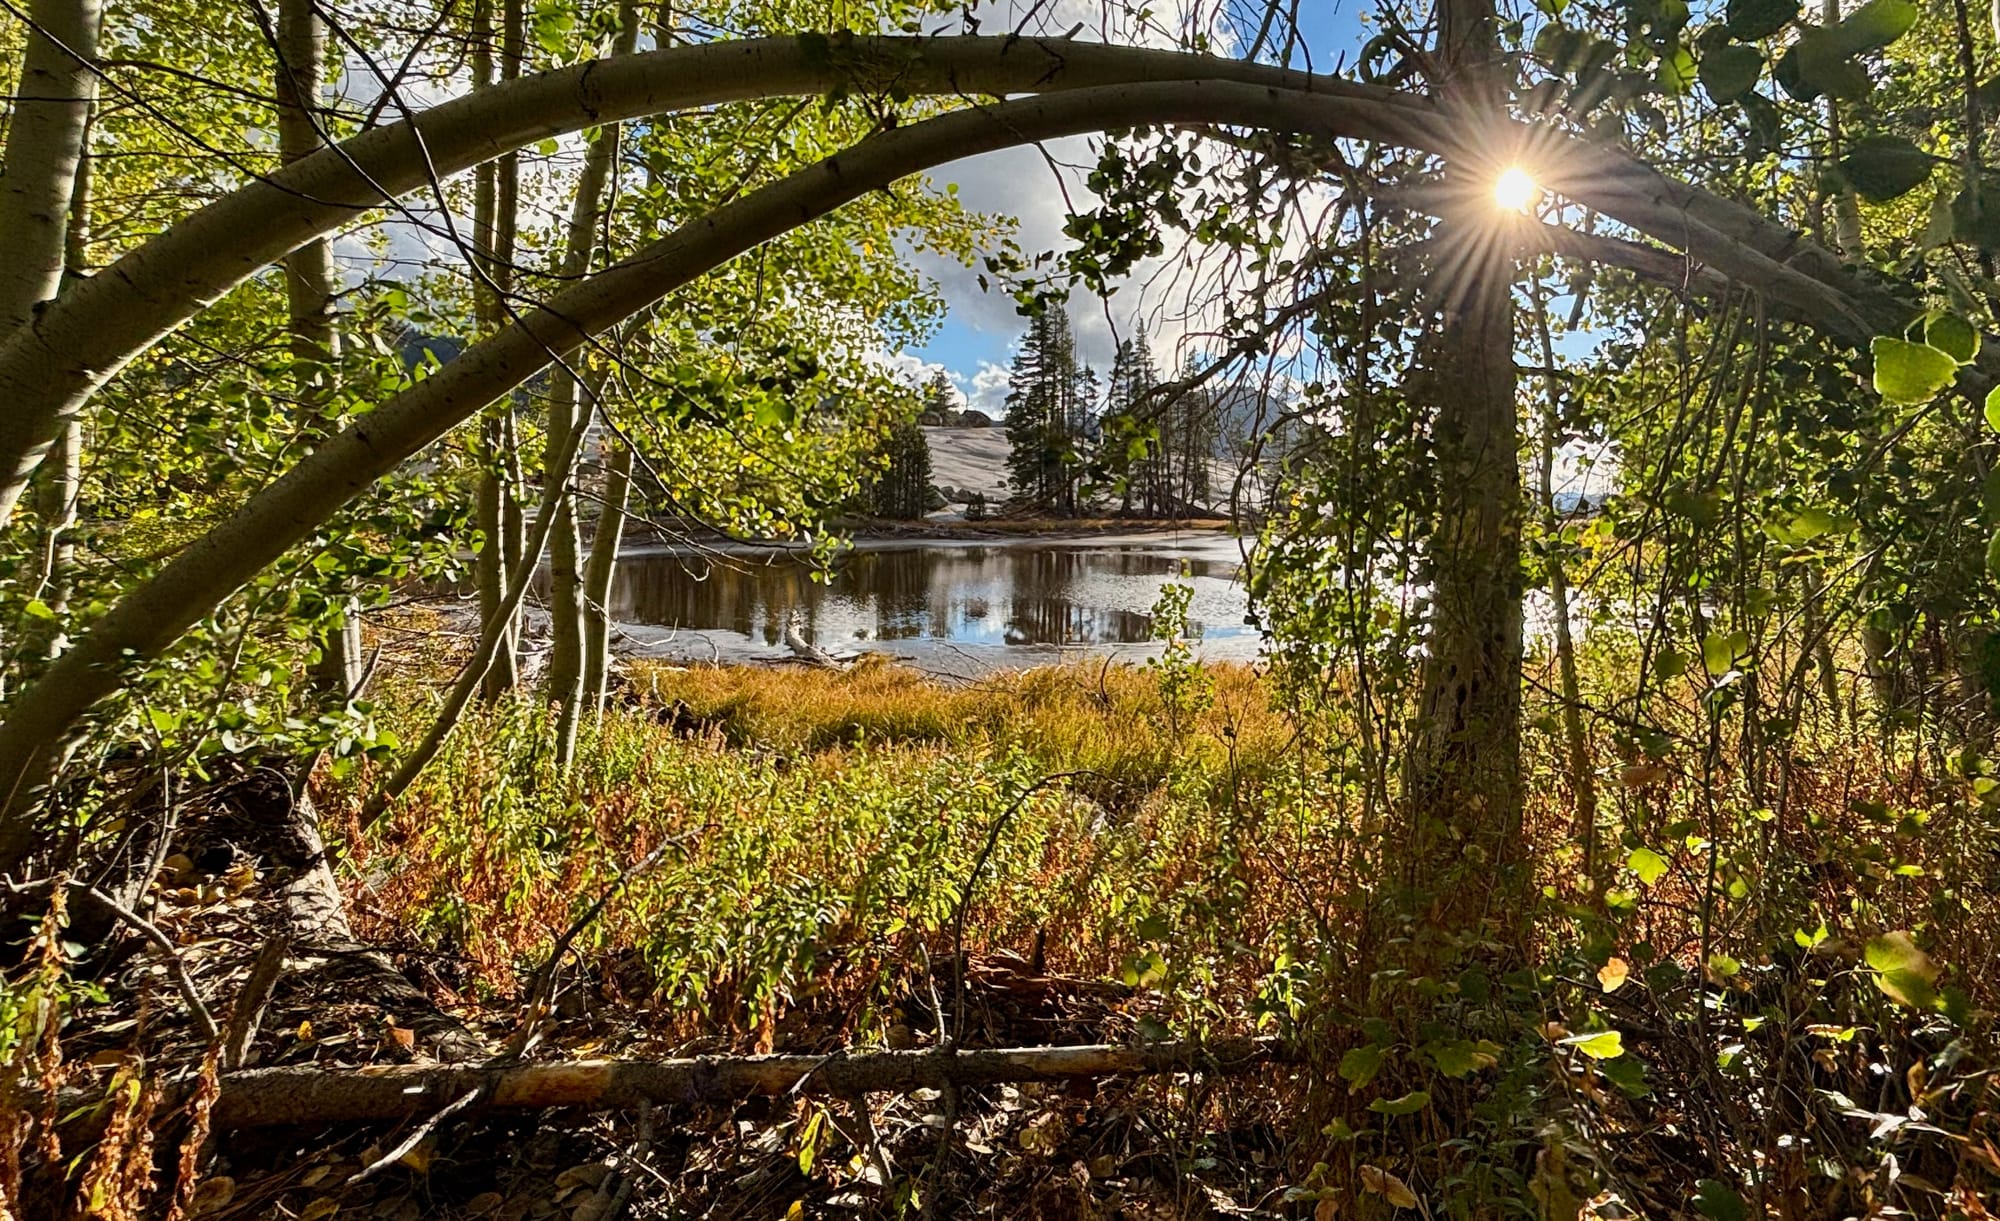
point(826, 826)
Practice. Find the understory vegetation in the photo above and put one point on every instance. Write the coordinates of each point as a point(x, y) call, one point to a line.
point(1607, 827)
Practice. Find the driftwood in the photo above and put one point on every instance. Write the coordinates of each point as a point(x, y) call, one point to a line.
point(308, 1095)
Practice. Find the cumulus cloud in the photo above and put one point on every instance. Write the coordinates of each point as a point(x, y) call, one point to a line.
point(989, 389)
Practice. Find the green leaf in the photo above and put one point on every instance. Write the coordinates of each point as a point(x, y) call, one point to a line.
point(1648, 864)
point(1903, 972)
point(1993, 409)
point(1816, 64)
point(1875, 25)
point(1720, 653)
point(1669, 664)
point(1676, 73)
point(1462, 1056)
point(1628, 1074)
point(162, 720)
point(1749, 20)
point(1730, 72)
point(1908, 372)
point(1953, 336)
point(1598, 1044)
point(1359, 1066)
point(38, 609)
point(1718, 1201)
point(1882, 168)
point(1408, 1104)
point(1993, 555)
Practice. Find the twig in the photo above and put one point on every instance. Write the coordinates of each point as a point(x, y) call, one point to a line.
point(204, 1021)
point(972, 882)
point(642, 1144)
point(417, 1137)
point(249, 1008)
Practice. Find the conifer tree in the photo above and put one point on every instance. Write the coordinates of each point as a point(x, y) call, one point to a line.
point(1049, 416)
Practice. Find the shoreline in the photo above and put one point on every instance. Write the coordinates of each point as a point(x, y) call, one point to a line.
point(874, 534)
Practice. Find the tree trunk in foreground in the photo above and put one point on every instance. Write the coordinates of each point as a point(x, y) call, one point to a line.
point(570, 408)
point(600, 574)
point(310, 289)
point(45, 146)
point(495, 222)
point(45, 150)
point(1464, 779)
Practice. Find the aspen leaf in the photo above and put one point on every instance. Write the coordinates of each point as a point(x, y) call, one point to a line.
point(1408, 1104)
point(1908, 372)
point(1359, 1065)
point(1648, 864)
point(1904, 973)
point(1598, 1044)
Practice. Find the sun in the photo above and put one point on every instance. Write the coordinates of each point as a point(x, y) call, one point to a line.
point(1516, 190)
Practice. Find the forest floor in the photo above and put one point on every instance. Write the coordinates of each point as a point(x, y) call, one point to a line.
point(826, 834)
point(811, 861)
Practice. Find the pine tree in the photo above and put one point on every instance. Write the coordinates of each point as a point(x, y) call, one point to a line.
point(939, 401)
point(1132, 457)
point(903, 491)
point(1050, 408)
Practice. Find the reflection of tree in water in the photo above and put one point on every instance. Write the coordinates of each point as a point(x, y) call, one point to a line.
point(1038, 595)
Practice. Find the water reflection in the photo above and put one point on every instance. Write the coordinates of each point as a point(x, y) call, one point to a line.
point(970, 594)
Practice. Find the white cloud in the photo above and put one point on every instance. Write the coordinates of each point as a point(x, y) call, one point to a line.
point(989, 389)
point(914, 370)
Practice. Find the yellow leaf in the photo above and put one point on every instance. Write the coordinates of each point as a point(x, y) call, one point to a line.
point(1388, 1186)
point(325, 1206)
point(1613, 974)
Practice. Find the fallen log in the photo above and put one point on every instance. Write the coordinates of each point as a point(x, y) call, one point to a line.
point(305, 1094)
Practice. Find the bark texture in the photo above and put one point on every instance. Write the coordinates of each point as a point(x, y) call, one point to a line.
point(1463, 786)
point(47, 143)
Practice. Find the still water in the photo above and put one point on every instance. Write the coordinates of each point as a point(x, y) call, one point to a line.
point(961, 605)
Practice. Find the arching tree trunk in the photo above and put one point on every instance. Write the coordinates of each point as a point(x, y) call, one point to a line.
point(1464, 780)
point(42, 719)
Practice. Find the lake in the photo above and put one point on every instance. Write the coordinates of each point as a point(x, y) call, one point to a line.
point(957, 605)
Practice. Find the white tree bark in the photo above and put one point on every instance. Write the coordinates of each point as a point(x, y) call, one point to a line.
point(45, 147)
point(42, 717)
point(569, 418)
